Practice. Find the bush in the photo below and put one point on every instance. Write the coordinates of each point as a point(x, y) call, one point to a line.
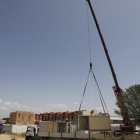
point(122, 137)
point(3, 131)
point(37, 137)
point(51, 139)
point(93, 138)
point(13, 139)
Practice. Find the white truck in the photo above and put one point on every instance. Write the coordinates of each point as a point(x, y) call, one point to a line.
point(31, 132)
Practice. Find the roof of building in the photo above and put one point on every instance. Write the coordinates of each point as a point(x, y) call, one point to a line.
point(2, 121)
point(22, 112)
point(116, 118)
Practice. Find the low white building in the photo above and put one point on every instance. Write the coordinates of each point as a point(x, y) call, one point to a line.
point(116, 122)
point(11, 128)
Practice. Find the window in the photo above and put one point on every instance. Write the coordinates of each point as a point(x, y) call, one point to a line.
point(28, 129)
point(1, 126)
point(29, 117)
point(18, 116)
point(116, 121)
point(22, 116)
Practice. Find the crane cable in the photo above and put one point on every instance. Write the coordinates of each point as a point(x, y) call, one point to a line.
point(91, 71)
point(100, 94)
point(99, 90)
point(84, 91)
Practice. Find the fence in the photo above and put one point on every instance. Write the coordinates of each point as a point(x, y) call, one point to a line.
point(15, 128)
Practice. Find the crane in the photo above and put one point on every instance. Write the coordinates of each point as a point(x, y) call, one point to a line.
point(127, 127)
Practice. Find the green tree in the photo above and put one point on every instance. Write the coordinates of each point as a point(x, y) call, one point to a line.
point(37, 137)
point(7, 120)
point(52, 139)
point(129, 101)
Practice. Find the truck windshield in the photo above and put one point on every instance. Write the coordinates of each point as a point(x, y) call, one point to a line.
point(1, 126)
point(28, 129)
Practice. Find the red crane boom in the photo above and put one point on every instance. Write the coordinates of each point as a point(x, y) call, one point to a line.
point(126, 128)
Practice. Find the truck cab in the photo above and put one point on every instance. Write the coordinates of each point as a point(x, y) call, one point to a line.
point(1, 128)
point(31, 132)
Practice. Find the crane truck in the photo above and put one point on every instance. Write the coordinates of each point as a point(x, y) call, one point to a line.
point(128, 127)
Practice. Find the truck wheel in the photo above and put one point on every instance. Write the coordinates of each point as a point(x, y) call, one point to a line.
point(30, 138)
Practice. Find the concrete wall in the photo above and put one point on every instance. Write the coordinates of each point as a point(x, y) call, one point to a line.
point(7, 128)
point(52, 126)
point(19, 128)
point(15, 128)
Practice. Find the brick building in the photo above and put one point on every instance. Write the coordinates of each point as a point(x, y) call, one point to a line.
point(58, 116)
point(22, 117)
point(45, 116)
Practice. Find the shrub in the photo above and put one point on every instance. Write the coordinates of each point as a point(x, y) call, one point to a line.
point(3, 131)
point(37, 137)
point(13, 139)
point(123, 137)
point(93, 138)
point(51, 139)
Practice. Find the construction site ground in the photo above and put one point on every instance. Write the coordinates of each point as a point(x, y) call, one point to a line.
point(9, 136)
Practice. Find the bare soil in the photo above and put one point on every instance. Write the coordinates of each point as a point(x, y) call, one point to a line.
point(8, 136)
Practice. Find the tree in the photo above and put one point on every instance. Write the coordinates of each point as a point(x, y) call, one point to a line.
point(129, 101)
point(37, 137)
point(7, 120)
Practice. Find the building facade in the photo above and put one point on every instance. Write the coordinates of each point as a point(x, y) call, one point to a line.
point(58, 116)
point(22, 118)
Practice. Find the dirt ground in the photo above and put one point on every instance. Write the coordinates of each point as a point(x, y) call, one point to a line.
point(9, 137)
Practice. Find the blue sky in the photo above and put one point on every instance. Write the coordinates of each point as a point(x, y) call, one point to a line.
point(44, 53)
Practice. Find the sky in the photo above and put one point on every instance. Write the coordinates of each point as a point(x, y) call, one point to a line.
point(44, 53)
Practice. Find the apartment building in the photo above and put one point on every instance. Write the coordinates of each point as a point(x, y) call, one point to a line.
point(58, 116)
point(22, 117)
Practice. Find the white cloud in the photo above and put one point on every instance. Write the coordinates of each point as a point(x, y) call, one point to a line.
point(0, 101)
point(8, 107)
point(76, 103)
point(15, 106)
point(99, 109)
point(12, 105)
point(3, 108)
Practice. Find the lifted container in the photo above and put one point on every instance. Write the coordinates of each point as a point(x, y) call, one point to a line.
point(94, 123)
